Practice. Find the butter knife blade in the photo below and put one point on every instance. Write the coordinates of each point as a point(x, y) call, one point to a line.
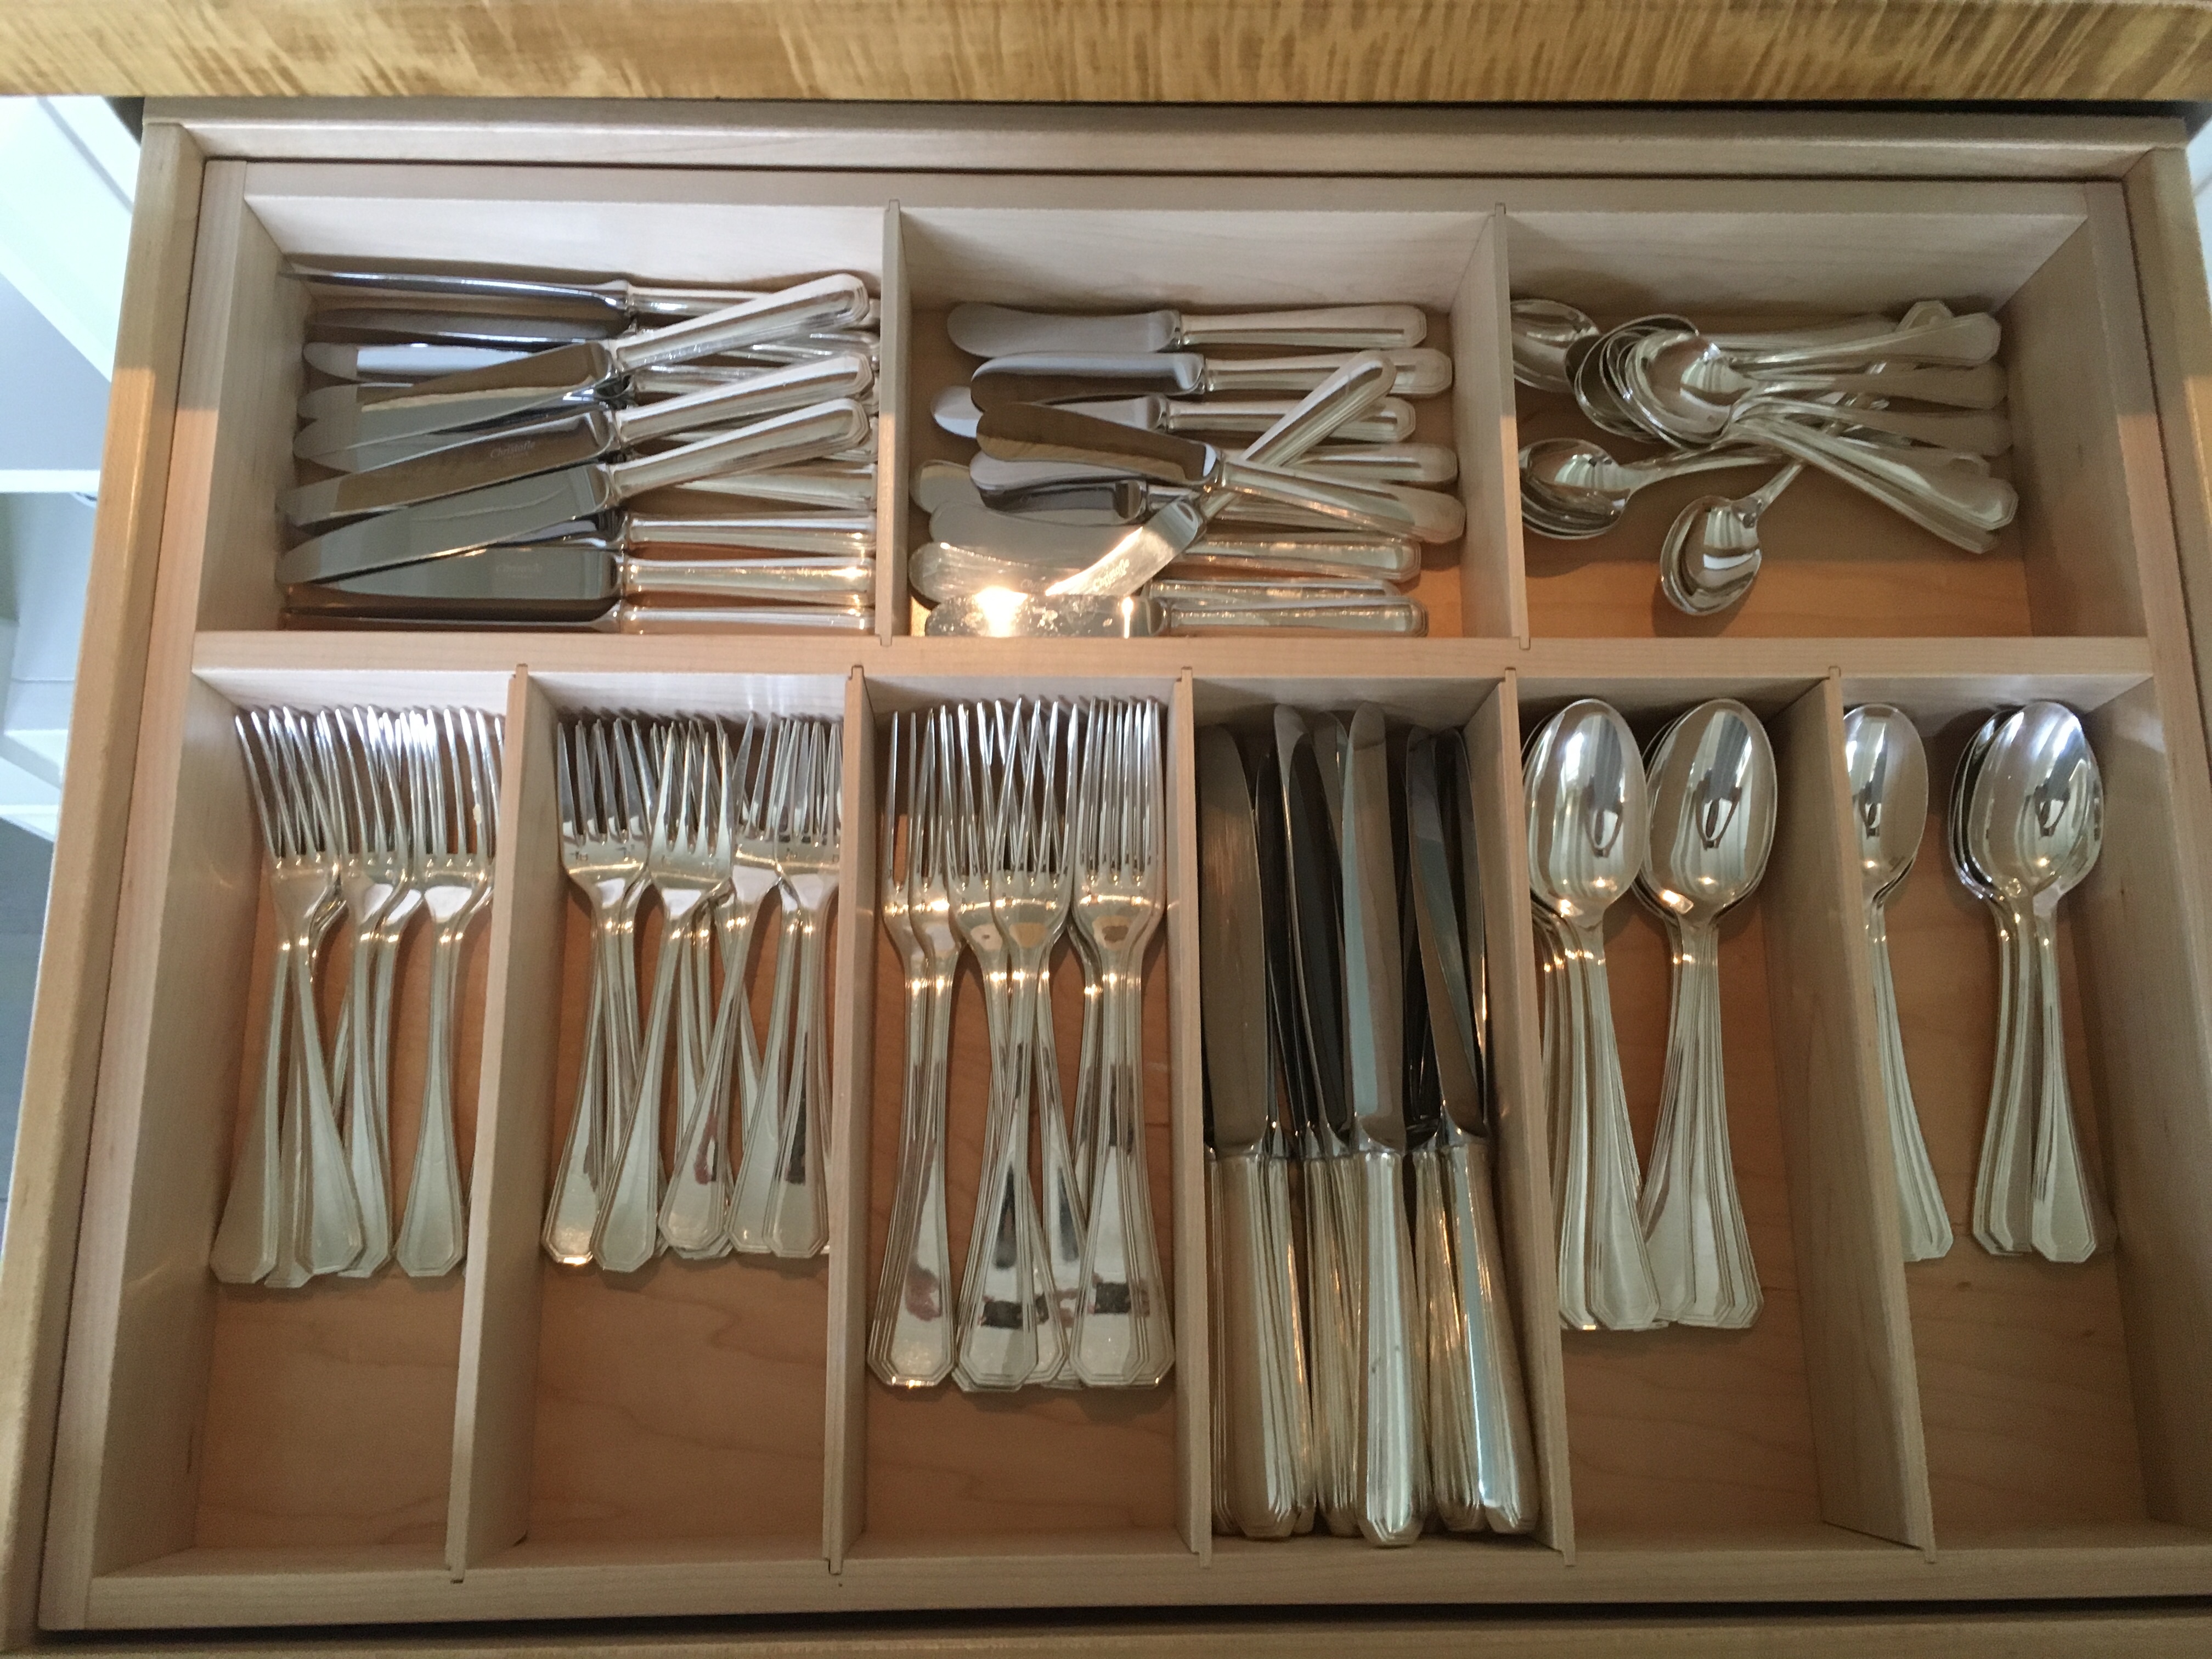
point(498, 457)
point(1232, 949)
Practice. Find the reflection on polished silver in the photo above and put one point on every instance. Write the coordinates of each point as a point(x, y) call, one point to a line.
point(372, 817)
point(1588, 824)
point(1837, 397)
point(1713, 793)
point(1007, 826)
point(1886, 767)
point(2028, 824)
point(714, 817)
point(910, 1342)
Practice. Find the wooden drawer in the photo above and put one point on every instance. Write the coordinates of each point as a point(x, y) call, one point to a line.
point(522, 1441)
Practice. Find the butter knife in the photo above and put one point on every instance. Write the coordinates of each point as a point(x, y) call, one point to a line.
point(516, 511)
point(1263, 1389)
point(1059, 378)
point(987, 330)
point(1390, 422)
point(1014, 538)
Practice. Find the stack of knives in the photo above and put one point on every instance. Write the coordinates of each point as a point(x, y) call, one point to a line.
point(1089, 511)
point(1366, 1368)
point(468, 444)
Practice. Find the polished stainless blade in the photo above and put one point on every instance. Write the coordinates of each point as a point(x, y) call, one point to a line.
point(1316, 931)
point(504, 512)
point(1035, 432)
point(1054, 377)
point(569, 581)
point(460, 328)
point(1438, 926)
point(499, 456)
point(984, 330)
point(1140, 554)
point(343, 415)
point(1374, 1021)
point(1232, 949)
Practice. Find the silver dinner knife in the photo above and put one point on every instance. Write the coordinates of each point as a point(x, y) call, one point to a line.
point(986, 330)
point(1481, 1458)
point(1066, 377)
point(405, 361)
point(572, 373)
point(516, 511)
point(1390, 1465)
point(1390, 422)
point(1261, 1376)
point(501, 453)
point(626, 301)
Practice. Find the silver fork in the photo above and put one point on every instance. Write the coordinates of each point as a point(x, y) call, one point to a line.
point(687, 863)
point(1008, 1334)
point(910, 1344)
point(1123, 1334)
point(319, 1230)
point(454, 793)
point(371, 872)
point(603, 850)
point(1029, 891)
point(782, 1205)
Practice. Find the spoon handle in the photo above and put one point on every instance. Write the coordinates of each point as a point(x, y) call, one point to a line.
point(1621, 1292)
point(1691, 1219)
point(2068, 1220)
point(2001, 1196)
point(1922, 1219)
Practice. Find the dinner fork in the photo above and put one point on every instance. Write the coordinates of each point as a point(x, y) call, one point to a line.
point(291, 1209)
point(687, 862)
point(454, 769)
point(603, 842)
point(910, 1345)
point(1123, 1337)
point(782, 1205)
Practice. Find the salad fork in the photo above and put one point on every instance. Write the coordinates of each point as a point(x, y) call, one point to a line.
point(454, 794)
point(1123, 1337)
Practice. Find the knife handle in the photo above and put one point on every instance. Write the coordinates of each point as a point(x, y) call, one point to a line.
point(1391, 1461)
point(628, 617)
point(1401, 615)
point(826, 302)
point(1387, 558)
point(801, 435)
point(846, 488)
point(1391, 422)
point(1321, 329)
point(1427, 515)
point(848, 537)
point(794, 386)
point(1262, 1385)
point(1422, 371)
point(1481, 1457)
point(801, 577)
point(1348, 392)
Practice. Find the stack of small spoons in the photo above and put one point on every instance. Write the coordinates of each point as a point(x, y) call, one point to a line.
point(1906, 411)
point(2027, 824)
point(1080, 420)
point(468, 441)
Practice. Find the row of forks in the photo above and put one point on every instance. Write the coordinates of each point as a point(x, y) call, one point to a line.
point(714, 818)
point(374, 817)
point(1022, 822)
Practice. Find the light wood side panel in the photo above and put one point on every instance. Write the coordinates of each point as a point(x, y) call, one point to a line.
point(845, 1428)
point(1858, 1341)
point(62, 1066)
point(1524, 1178)
point(2178, 323)
point(893, 460)
point(495, 1405)
point(1186, 1132)
point(1493, 593)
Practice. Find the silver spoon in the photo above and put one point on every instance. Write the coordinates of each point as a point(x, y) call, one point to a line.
point(1713, 792)
point(1587, 817)
point(1544, 332)
point(1571, 489)
point(1998, 1218)
point(2035, 826)
point(1711, 556)
point(1887, 768)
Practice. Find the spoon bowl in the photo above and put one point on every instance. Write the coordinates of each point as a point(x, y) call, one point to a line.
point(1544, 332)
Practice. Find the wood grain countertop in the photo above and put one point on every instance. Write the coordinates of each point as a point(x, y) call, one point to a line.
point(1132, 51)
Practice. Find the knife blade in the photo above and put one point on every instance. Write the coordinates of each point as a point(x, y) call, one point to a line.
point(1439, 919)
point(1317, 927)
point(1059, 378)
point(1373, 1019)
point(576, 580)
point(1390, 422)
point(409, 361)
point(344, 324)
point(988, 330)
point(573, 373)
point(1232, 963)
point(465, 461)
point(511, 512)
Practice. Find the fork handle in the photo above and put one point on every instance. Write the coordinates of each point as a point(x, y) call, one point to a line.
point(433, 1232)
point(799, 1211)
point(912, 1346)
point(245, 1247)
point(629, 1225)
point(575, 1206)
point(751, 1205)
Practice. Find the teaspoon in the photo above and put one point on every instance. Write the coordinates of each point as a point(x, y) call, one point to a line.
point(1544, 332)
